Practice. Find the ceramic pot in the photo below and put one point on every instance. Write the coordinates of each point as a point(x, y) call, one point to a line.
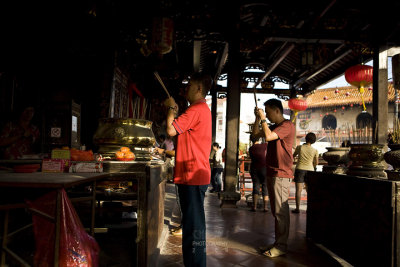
point(393, 156)
point(336, 155)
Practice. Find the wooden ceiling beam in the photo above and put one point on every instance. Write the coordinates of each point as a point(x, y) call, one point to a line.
point(276, 63)
point(222, 61)
point(299, 82)
point(305, 40)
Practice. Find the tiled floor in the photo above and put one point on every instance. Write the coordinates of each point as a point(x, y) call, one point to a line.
point(234, 234)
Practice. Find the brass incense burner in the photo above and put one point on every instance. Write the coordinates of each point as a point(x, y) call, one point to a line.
point(367, 155)
point(136, 134)
point(366, 160)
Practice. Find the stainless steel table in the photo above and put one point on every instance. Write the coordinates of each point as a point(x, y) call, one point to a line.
point(50, 181)
point(150, 177)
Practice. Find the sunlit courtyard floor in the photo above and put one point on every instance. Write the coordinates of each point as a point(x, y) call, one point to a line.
point(234, 235)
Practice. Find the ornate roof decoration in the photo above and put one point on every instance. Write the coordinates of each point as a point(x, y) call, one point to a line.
point(342, 96)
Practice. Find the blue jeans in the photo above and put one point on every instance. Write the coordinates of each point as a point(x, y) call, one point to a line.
point(216, 178)
point(191, 198)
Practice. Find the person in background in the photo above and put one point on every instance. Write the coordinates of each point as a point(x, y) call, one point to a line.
point(280, 138)
point(18, 137)
point(258, 172)
point(167, 143)
point(217, 168)
point(170, 154)
point(307, 161)
point(167, 150)
point(192, 168)
point(211, 160)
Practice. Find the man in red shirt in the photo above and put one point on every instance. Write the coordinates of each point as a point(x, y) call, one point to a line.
point(280, 138)
point(192, 168)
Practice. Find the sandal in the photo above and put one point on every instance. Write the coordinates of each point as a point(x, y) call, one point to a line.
point(295, 211)
point(265, 248)
point(274, 252)
point(176, 232)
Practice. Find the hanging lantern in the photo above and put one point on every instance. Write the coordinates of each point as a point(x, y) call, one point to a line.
point(162, 35)
point(297, 104)
point(359, 76)
point(343, 107)
point(347, 93)
point(336, 91)
point(325, 98)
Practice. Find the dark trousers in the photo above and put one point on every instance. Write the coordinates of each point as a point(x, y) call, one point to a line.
point(191, 198)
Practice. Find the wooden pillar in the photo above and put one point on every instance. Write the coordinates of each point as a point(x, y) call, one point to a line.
point(396, 84)
point(230, 196)
point(380, 96)
point(214, 111)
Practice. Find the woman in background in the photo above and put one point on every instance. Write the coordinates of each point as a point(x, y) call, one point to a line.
point(307, 161)
point(217, 168)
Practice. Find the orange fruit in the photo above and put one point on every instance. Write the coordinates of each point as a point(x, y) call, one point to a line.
point(120, 154)
point(125, 149)
point(129, 155)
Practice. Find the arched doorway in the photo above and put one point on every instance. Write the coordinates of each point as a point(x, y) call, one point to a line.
point(329, 122)
point(364, 120)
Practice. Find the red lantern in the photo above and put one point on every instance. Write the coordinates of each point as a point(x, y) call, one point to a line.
point(334, 110)
point(297, 104)
point(359, 76)
point(336, 91)
point(343, 107)
point(325, 98)
point(347, 93)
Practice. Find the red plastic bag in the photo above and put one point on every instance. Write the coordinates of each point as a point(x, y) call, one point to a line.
point(77, 248)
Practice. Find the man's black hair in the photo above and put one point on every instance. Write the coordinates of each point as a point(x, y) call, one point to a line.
point(253, 138)
point(205, 81)
point(311, 138)
point(274, 103)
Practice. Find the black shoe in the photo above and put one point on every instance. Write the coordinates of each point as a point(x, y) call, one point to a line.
point(212, 191)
